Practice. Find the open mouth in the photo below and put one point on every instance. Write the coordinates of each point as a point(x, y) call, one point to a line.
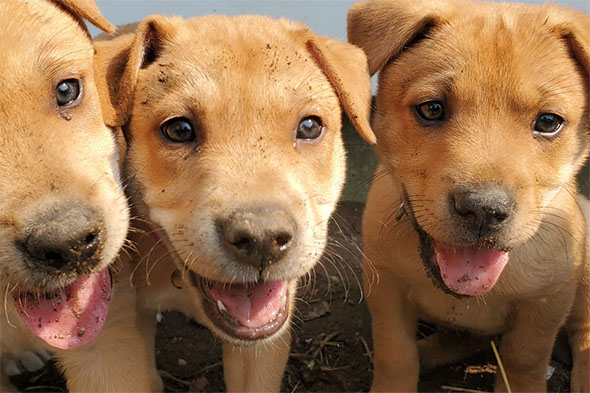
point(71, 316)
point(459, 270)
point(469, 271)
point(249, 311)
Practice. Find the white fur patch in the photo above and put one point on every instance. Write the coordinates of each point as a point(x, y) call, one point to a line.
point(551, 195)
point(115, 163)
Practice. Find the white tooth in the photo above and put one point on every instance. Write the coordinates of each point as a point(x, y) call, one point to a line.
point(221, 306)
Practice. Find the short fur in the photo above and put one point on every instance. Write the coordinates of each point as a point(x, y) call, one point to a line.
point(50, 155)
point(245, 82)
point(496, 66)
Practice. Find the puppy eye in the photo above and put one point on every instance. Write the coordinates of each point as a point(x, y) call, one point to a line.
point(310, 128)
point(431, 110)
point(67, 92)
point(178, 129)
point(548, 124)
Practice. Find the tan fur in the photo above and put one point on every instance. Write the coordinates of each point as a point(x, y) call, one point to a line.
point(245, 82)
point(496, 66)
point(52, 155)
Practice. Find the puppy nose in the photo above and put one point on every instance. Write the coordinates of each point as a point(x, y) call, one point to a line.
point(257, 237)
point(65, 238)
point(483, 210)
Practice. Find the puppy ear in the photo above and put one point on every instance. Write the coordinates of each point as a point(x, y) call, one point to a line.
point(87, 9)
point(575, 32)
point(384, 28)
point(118, 61)
point(345, 66)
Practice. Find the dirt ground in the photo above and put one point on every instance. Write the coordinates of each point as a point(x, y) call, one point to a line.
point(332, 344)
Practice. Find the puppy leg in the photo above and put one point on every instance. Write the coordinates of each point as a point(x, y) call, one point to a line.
point(394, 336)
point(146, 321)
point(526, 348)
point(258, 367)
point(447, 347)
point(117, 361)
point(578, 329)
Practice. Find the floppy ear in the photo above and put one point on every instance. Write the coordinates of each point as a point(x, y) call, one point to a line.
point(87, 9)
point(345, 66)
point(573, 28)
point(384, 28)
point(117, 63)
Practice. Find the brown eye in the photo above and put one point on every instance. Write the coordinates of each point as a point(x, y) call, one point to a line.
point(548, 124)
point(179, 130)
point(67, 92)
point(431, 111)
point(310, 128)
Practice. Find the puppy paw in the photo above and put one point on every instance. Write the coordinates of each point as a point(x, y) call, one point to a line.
point(27, 361)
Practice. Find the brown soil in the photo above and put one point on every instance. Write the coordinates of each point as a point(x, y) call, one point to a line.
point(332, 345)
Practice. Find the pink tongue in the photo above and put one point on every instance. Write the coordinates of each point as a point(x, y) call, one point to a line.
point(253, 306)
point(469, 271)
point(74, 316)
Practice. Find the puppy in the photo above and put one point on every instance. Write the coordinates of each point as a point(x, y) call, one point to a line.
point(235, 164)
point(472, 222)
point(63, 214)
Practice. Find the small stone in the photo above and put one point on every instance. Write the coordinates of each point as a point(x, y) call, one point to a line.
point(181, 362)
point(199, 384)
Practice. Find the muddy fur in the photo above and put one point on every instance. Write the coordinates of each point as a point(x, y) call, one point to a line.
point(495, 69)
point(244, 83)
point(55, 157)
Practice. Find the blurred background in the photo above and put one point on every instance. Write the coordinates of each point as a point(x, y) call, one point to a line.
point(325, 17)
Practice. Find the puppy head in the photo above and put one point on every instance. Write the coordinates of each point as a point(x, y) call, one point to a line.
point(62, 211)
point(482, 118)
point(235, 150)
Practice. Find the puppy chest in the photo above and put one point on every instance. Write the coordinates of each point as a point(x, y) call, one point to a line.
point(477, 315)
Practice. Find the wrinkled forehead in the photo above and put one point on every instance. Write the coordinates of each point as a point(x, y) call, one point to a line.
point(507, 54)
point(255, 66)
point(38, 38)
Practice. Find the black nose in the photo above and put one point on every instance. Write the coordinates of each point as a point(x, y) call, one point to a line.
point(483, 211)
point(257, 237)
point(65, 238)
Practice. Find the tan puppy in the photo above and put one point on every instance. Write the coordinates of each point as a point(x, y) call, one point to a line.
point(472, 223)
point(236, 161)
point(63, 215)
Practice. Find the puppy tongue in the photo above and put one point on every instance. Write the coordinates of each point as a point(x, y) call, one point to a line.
point(469, 271)
point(71, 317)
point(252, 305)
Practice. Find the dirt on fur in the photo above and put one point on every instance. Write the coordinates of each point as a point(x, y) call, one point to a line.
point(332, 345)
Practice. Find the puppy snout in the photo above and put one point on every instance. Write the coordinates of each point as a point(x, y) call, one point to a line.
point(482, 211)
point(65, 238)
point(257, 237)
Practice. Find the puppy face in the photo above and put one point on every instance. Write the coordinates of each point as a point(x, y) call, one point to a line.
point(235, 150)
point(63, 215)
point(481, 133)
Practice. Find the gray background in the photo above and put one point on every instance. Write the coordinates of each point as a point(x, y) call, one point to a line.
point(326, 17)
point(323, 16)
